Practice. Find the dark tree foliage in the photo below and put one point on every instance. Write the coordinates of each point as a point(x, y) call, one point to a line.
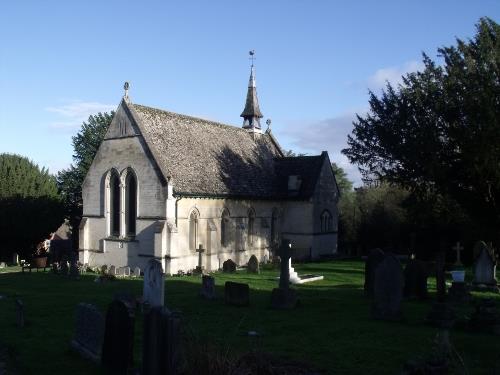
point(69, 181)
point(438, 133)
point(344, 184)
point(30, 206)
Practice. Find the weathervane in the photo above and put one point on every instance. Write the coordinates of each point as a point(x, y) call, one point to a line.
point(252, 55)
point(126, 87)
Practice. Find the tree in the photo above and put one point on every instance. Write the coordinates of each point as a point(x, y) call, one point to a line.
point(30, 206)
point(437, 134)
point(344, 184)
point(85, 145)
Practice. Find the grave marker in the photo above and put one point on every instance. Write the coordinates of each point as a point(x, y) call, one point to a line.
point(253, 265)
point(388, 289)
point(89, 332)
point(154, 284)
point(207, 287)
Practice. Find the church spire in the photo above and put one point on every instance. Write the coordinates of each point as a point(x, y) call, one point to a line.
point(251, 114)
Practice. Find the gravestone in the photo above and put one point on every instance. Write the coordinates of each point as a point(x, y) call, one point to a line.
point(161, 342)
point(154, 284)
point(89, 332)
point(415, 279)
point(388, 286)
point(236, 294)
point(253, 265)
point(112, 270)
point(118, 344)
point(137, 272)
point(374, 258)
point(15, 259)
point(207, 287)
point(104, 269)
point(119, 271)
point(229, 266)
point(2, 265)
point(126, 271)
point(20, 313)
point(484, 267)
point(283, 297)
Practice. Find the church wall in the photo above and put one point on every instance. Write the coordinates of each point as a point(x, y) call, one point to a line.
point(298, 224)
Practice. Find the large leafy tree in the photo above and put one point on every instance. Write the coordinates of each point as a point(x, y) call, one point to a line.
point(30, 206)
point(438, 133)
point(85, 145)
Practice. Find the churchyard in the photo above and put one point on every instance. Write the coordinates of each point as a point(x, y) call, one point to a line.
point(332, 330)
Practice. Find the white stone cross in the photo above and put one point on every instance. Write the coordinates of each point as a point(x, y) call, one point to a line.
point(200, 250)
point(458, 248)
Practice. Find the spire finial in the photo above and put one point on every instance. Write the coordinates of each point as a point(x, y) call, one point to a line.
point(126, 86)
point(268, 123)
point(252, 56)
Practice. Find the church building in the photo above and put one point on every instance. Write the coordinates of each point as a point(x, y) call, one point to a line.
point(163, 184)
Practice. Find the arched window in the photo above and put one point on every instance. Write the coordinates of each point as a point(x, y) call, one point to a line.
point(251, 226)
point(224, 228)
point(326, 221)
point(193, 230)
point(131, 203)
point(274, 228)
point(114, 204)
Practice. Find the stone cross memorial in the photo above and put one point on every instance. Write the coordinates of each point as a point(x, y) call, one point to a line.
point(388, 289)
point(154, 284)
point(458, 248)
point(200, 250)
point(283, 297)
point(89, 332)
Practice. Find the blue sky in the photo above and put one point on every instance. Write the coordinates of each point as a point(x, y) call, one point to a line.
point(61, 61)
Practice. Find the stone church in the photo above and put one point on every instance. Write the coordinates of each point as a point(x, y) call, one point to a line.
point(163, 184)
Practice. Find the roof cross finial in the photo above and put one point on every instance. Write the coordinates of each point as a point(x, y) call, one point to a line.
point(252, 55)
point(126, 86)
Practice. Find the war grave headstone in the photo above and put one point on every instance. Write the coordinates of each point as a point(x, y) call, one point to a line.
point(253, 265)
point(207, 287)
point(89, 332)
point(229, 266)
point(118, 344)
point(161, 342)
point(126, 271)
point(441, 314)
point(415, 284)
point(484, 268)
point(154, 284)
point(388, 284)
point(374, 258)
point(236, 294)
point(137, 272)
point(19, 313)
point(283, 297)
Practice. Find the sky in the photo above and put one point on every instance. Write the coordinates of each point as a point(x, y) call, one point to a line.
point(61, 61)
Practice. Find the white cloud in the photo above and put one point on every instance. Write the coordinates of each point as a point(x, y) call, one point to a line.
point(72, 114)
point(393, 74)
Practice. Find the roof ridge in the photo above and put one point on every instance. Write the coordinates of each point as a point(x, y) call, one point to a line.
point(233, 127)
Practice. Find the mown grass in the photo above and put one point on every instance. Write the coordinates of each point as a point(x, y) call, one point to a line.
point(331, 329)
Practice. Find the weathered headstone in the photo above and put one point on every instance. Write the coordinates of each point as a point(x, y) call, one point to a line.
point(284, 297)
point(253, 265)
point(15, 259)
point(161, 342)
point(388, 289)
point(89, 332)
point(118, 344)
point(207, 287)
point(20, 313)
point(154, 284)
point(126, 271)
point(229, 266)
point(236, 294)
point(137, 272)
point(415, 279)
point(112, 270)
point(484, 267)
point(374, 258)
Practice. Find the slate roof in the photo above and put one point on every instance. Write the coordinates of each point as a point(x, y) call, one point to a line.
point(210, 159)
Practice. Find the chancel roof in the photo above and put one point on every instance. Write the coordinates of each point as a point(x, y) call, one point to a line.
point(209, 159)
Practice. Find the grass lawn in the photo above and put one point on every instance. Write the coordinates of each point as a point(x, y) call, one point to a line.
point(332, 329)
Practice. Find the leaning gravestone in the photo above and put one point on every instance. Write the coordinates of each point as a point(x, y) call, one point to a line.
point(374, 258)
point(253, 265)
point(236, 294)
point(118, 345)
point(229, 266)
point(484, 267)
point(154, 284)
point(415, 279)
point(388, 289)
point(89, 332)
point(207, 287)
point(161, 342)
